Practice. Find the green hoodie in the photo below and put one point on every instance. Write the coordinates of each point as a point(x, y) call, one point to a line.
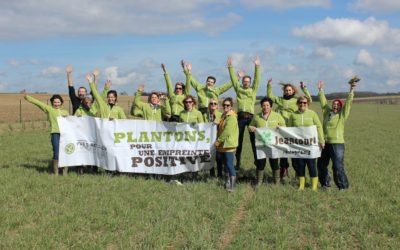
point(207, 118)
point(274, 120)
point(152, 112)
point(286, 107)
point(51, 113)
point(104, 109)
point(84, 112)
point(193, 116)
point(306, 119)
point(228, 132)
point(334, 123)
point(176, 101)
point(246, 98)
point(205, 93)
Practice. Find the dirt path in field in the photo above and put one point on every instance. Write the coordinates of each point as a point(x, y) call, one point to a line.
point(239, 215)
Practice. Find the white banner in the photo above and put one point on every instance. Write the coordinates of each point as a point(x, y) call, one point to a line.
point(287, 142)
point(137, 146)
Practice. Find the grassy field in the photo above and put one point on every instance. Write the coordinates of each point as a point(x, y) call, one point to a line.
point(40, 211)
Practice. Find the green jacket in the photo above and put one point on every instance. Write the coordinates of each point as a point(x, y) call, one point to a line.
point(306, 119)
point(207, 118)
point(152, 112)
point(274, 120)
point(176, 101)
point(104, 110)
point(334, 123)
point(136, 111)
point(193, 116)
point(286, 107)
point(246, 98)
point(205, 93)
point(228, 132)
point(83, 112)
point(51, 113)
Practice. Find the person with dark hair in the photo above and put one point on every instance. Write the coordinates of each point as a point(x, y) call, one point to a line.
point(86, 108)
point(227, 141)
point(52, 111)
point(176, 96)
point(246, 98)
point(305, 117)
point(109, 109)
point(266, 119)
point(207, 91)
point(286, 105)
point(333, 124)
point(190, 114)
point(153, 110)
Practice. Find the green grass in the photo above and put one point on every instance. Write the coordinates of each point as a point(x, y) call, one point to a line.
point(41, 211)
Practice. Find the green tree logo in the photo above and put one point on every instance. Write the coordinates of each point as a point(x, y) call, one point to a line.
point(265, 137)
point(69, 148)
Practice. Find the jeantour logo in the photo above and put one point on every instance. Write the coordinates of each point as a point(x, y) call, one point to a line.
point(265, 137)
point(69, 148)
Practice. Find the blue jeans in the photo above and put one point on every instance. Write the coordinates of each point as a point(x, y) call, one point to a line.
point(336, 153)
point(301, 167)
point(242, 123)
point(55, 143)
point(227, 159)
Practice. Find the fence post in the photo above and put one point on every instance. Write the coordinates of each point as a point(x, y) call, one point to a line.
point(20, 111)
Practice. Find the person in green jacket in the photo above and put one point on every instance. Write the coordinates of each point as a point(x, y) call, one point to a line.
point(246, 100)
point(227, 141)
point(305, 117)
point(154, 110)
point(52, 111)
point(266, 119)
point(333, 124)
point(214, 115)
point(110, 109)
point(286, 105)
point(176, 95)
point(190, 114)
point(207, 91)
point(86, 108)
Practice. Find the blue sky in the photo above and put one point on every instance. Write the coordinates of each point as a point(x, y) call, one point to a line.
point(297, 40)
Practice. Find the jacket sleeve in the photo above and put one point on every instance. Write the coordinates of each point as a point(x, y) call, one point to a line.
point(187, 84)
point(225, 87)
point(38, 103)
point(138, 102)
point(169, 84)
point(196, 85)
point(121, 113)
point(104, 93)
point(74, 99)
point(200, 118)
point(229, 127)
point(322, 101)
point(256, 81)
point(234, 80)
point(320, 131)
point(166, 108)
point(307, 93)
point(274, 98)
point(347, 105)
point(281, 121)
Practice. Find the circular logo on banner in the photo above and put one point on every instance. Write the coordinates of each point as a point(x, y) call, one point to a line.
point(69, 148)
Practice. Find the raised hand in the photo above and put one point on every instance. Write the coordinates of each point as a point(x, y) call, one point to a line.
point(188, 67)
point(269, 82)
point(241, 73)
point(257, 61)
point(163, 68)
point(302, 85)
point(107, 85)
point(183, 64)
point(229, 61)
point(88, 78)
point(141, 88)
point(320, 85)
point(69, 69)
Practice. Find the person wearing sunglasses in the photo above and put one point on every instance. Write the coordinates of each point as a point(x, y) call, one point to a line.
point(176, 95)
point(227, 141)
point(214, 115)
point(266, 119)
point(286, 105)
point(246, 99)
point(190, 114)
point(333, 124)
point(155, 109)
point(207, 91)
point(305, 117)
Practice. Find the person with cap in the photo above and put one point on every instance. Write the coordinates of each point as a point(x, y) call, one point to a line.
point(333, 125)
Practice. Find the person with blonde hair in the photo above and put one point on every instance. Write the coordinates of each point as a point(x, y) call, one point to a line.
point(190, 114)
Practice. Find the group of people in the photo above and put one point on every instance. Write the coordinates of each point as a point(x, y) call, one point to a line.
point(179, 106)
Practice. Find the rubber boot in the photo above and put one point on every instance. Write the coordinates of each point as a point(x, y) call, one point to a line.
point(260, 177)
point(302, 181)
point(55, 167)
point(227, 181)
point(276, 176)
point(233, 184)
point(314, 183)
point(65, 171)
point(284, 174)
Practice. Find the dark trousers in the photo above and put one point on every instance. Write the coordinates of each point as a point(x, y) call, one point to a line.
point(301, 167)
point(242, 123)
point(284, 163)
point(334, 152)
point(55, 143)
point(272, 162)
point(219, 160)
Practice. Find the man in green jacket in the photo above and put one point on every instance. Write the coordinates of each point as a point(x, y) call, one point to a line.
point(246, 99)
point(333, 125)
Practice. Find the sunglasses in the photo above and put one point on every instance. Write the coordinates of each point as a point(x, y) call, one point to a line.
point(302, 102)
point(213, 103)
point(226, 105)
point(188, 101)
point(178, 88)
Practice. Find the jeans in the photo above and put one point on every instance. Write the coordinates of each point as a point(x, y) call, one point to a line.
point(301, 167)
point(242, 123)
point(272, 162)
point(55, 143)
point(227, 159)
point(336, 153)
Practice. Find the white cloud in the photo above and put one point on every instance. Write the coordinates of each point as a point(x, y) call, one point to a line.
point(376, 5)
point(292, 68)
point(286, 4)
point(17, 63)
point(45, 18)
point(323, 52)
point(364, 58)
point(393, 82)
point(52, 70)
point(117, 78)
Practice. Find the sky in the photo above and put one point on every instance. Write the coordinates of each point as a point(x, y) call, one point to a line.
point(297, 40)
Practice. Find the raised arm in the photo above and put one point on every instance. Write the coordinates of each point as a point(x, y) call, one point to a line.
point(167, 80)
point(322, 98)
point(138, 102)
point(304, 88)
point(196, 85)
point(232, 75)
point(35, 101)
point(165, 107)
point(349, 101)
point(256, 81)
point(71, 90)
point(274, 98)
